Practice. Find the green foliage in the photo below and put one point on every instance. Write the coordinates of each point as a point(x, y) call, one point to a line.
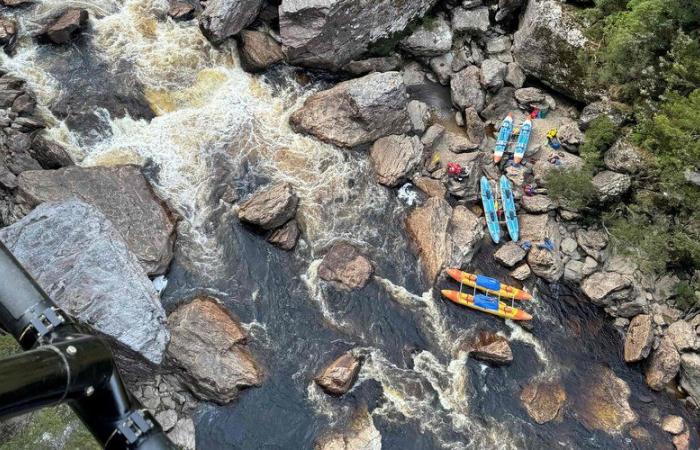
point(599, 136)
point(50, 429)
point(685, 293)
point(8, 346)
point(573, 188)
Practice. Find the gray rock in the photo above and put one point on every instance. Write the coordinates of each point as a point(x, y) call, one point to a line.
point(122, 194)
point(82, 262)
point(690, 374)
point(183, 434)
point(682, 335)
point(430, 39)
point(510, 254)
point(476, 130)
point(624, 156)
point(466, 90)
point(493, 72)
point(532, 97)
point(618, 113)
point(419, 115)
point(570, 137)
point(471, 21)
point(330, 34)
point(340, 375)
point(547, 46)
point(592, 241)
point(499, 105)
point(537, 204)
point(639, 338)
point(631, 308)
point(605, 287)
point(64, 27)
point(167, 419)
point(222, 19)
point(345, 265)
point(357, 111)
point(568, 245)
point(506, 8)
point(207, 346)
point(663, 365)
point(573, 271)
point(515, 75)
point(545, 264)
point(377, 64)
point(610, 185)
point(522, 272)
point(498, 44)
point(270, 206)
point(395, 157)
point(259, 51)
point(442, 67)
point(286, 236)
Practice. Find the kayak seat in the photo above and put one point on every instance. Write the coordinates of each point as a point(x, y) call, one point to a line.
point(488, 283)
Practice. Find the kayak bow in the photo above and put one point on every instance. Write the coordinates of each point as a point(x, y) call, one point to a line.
point(486, 304)
point(503, 137)
point(523, 141)
point(488, 285)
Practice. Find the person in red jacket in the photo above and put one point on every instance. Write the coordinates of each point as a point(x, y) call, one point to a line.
point(456, 171)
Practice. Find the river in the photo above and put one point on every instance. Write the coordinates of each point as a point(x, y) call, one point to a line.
point(137, 88)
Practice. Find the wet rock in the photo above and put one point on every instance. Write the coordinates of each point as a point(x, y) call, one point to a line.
point(377, 64)
point(682, 441)
point(429, 39)
point(547, 46)
point(431, 188)
point(361, 434)
point(515, 75)
point(605, 287)
point(640, 434)
point(395, 157)
point(570, 137)
point(476, 130)
point(419, 114)
point(682, 335)
point(624, 156)
point(544, 401)
point(545, 264)
point(640, 336)
point(357, 111)
point(62, 29)
point(610, 185)
point(663, 365)
point(537, 204)
point(8, 35)
point(592, 241)
point(492, 348)
point(605, 406)
point(286, 236)
point(690, 374)
point(222, 19)
point(471, 21)
point(618, 113)
point(498, 105)
point(444, 237)
point(122, 194)
point(339, 376)
point(331, 34)
point(345, 264)
point(183, 434)
point(506, 8)
point(167, 419)
point(207, 345)
point(259, 51)
point(182, 10)
point(270, 206)
point(493, 72)
point(442, 67)
point(521, 273)
point(81, 260)
point(24, 104)
point(510, 254)
point(466, 90)
point(673, 424)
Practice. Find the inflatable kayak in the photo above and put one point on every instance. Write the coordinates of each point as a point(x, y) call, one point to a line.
point(509, 208)
point(490, 210)
point(503, 137)
point(484, 303)
point(488, 285)
point(523, 140)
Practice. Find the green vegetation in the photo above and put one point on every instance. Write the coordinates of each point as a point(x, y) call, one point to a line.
point(573, 188)
point(600, 135)
point(52, 428)
point(8, 346)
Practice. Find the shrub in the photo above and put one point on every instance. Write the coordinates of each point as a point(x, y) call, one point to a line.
point(599, 136)
point(572, 188)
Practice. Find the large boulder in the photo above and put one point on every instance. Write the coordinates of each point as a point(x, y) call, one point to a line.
point(493, 73)
point(471, 21)
point(624, 156)
point(690, 374)
point(490, 347)
point(510, 254)
point(537, 204)
point(395, 157)
point(545, 264)
point(207, 345)
point(430, 39)
point(83, 263)
point(682, 334)
point(259, 51)
point(344, 264)
point(67, 25)
point(444, 236)
point(592, 241)
point(339, 376)
point(331, 33)
point(224, 18)
point(270, 206)
point(544, 401)
point(618, 113)
point(663, 365)
point(603, 288)
point(286, 236)
point(548, 45)
point(606, 405)
point(357, 111)
point(122, 194)
point(611, 185)
point(640, 335)
point(466, 89)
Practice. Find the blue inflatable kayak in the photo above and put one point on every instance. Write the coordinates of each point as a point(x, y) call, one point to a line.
point(503, 137)
point(489, 203)
point(509, 208)
point(523, 141)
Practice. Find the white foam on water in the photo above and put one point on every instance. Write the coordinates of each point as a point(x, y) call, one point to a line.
point(159, 283)
point(407, 194)
point(551, 368)
point(312, 283)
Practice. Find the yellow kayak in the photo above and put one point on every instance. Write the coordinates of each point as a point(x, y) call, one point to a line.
point(488, 285)
point(486, 304)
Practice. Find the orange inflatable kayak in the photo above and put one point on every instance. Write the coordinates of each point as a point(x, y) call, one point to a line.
point(488, 285)
point(484, 303)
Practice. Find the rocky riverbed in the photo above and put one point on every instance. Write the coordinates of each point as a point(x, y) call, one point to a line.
point(249, 199)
